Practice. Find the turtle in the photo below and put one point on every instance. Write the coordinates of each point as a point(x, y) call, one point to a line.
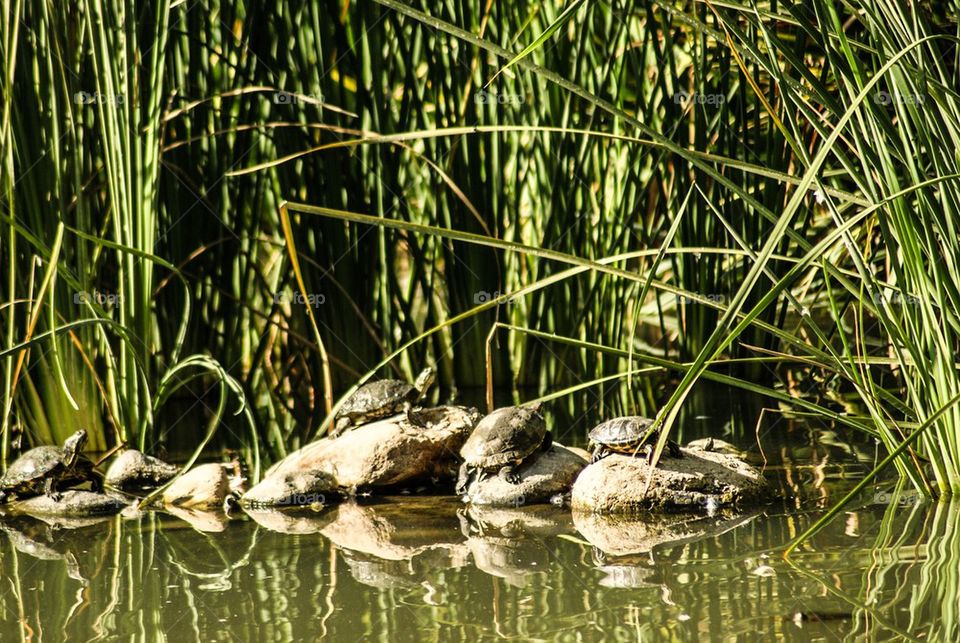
point(626, 435)
point(380, 399)
point(501, 442)
point(47, 469)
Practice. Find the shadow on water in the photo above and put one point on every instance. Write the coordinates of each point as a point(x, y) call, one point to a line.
point(430, 568)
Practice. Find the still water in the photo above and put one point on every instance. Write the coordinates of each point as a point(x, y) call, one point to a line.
point(428, 569)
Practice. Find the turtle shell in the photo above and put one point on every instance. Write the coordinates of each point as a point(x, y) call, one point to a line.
point(29, 472)
point(505, 436)
point(623, 434)
point(378, 399)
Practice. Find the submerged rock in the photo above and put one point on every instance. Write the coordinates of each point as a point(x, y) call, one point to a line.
point(72, 503)
point(133, 470)
point(549, 473)
point(699, 481)
point(379, 456)
point(204, 486)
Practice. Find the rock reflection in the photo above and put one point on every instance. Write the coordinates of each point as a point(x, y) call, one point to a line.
point(628, 535)
point(508, 543)
point(44, 541)
point(204, 521)
point(296, 520)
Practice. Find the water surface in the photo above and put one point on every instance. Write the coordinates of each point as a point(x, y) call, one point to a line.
point(429, 569)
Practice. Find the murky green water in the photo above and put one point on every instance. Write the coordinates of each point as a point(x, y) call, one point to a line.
point(424, 569)
point(428, 569)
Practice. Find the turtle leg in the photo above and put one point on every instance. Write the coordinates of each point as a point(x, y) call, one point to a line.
point(649, 450)
point(674, 449)
point(463, 479)
point(547, 442)
point(509, 473)
point(416, 417)
point(3, 497)
point(50, 491)
point(340, 425)
point(600, 452)
point(96, 484)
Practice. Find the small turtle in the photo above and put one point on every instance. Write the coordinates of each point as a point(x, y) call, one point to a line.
point(380, 399)
point(501, 441)
point(47, 469)
point(626, 435)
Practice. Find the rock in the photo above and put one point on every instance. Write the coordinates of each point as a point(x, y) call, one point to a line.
point(202, 487)
point(133, 470)
point(547, 474)
point(699, 481)
point(722, 446)
point(292, 488)
point(379, 456)
point(72, 504)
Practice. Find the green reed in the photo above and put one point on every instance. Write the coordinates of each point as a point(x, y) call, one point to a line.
point(743, 192)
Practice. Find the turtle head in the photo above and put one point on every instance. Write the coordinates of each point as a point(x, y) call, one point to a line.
point(73, 445)
point(425, 380)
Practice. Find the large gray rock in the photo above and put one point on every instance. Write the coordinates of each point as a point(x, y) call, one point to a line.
point(73, 503)
point(377, 456)
point(547, 474)
point(133, 470)
point(699, 481)
point(292, 488)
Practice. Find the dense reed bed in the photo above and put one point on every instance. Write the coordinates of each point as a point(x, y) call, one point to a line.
point(214, 209)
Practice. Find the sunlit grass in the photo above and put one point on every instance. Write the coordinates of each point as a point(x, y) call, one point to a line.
point(715, 192)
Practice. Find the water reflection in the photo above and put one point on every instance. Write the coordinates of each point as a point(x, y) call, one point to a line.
point(433, 569)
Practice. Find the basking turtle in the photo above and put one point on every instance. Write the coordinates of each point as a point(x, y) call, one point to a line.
point(380, 399)
point(626, 435)
point(47, 469)
point(500, 442)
